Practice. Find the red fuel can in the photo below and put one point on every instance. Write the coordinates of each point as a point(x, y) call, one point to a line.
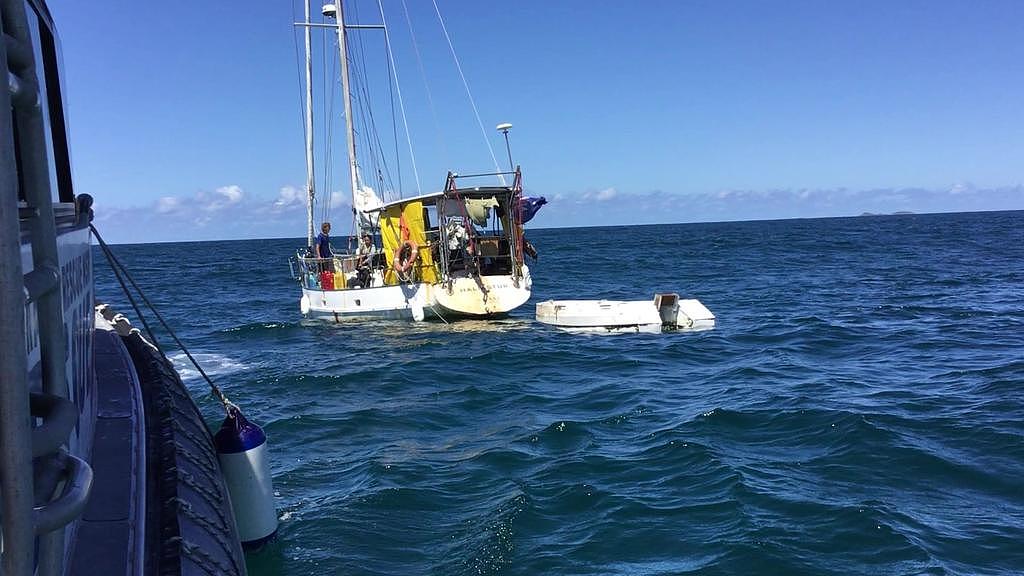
point(327, 280)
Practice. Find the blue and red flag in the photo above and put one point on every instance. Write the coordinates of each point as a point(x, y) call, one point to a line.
point(529, 206)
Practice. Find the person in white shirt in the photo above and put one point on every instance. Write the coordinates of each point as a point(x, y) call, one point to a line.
point(365, 251)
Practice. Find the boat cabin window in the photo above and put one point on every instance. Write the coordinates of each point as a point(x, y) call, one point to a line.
point(430, 222)
point(50, 96)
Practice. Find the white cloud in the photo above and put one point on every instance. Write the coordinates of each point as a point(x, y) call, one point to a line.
point(584, 209)
point(233, 193)
point(237, 214)
point(600, 195)
point(961, 188)
point(168, 204)
point(891, 197)
point(221, 198)
point(289, 197)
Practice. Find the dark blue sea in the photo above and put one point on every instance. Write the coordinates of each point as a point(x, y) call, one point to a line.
point(859, 408)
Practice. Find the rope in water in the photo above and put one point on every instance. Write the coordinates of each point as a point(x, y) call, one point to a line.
point(119, 269)
point(438, 314)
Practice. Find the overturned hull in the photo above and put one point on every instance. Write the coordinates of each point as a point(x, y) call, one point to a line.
point(666, 313)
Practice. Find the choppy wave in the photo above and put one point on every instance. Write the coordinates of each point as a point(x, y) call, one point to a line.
point(212, 365)
point(857, 410)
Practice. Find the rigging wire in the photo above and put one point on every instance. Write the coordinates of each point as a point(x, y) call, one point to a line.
point(369, 121)
point(124, 288)
point(298, 75)
point(302, 107)
point(360, 78)
point(468, 93)
point(323, 89)
point(426, 85)
point(361, 101)
point(115, 264)
point(401, 104)
point(369, 134)
point(329, 201)
point(362, 112)
point(394, 125)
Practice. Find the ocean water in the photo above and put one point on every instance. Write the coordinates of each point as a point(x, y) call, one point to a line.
point(859, 408)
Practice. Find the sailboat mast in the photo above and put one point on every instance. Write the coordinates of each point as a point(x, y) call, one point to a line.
point(309, 134)
point(350, 137)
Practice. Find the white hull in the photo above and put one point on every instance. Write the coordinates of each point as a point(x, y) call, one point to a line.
point(484, 296)
point(402, 302)
point(612, 316)
point(475, 297)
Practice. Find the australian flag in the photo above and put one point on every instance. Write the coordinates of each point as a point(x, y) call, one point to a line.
point(529, 206)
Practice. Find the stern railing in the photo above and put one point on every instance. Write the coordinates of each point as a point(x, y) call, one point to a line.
point(307, 270)
point(512, 227)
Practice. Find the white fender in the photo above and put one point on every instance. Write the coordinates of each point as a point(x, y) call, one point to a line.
point(242, 452)
point(417, 311)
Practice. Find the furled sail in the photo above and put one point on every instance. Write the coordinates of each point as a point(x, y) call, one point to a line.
point(365, 200)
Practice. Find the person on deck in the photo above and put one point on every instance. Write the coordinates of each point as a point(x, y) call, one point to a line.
point(364, 263)
point(322, 248)
point(366, 251)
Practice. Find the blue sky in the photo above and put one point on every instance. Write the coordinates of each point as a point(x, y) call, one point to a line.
point(185, 116)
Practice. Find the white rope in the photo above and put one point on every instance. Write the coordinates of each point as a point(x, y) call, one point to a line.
point(468, 93)
point(438, 314)
point(401, 104)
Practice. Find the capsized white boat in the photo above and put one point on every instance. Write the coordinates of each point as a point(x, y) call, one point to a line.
point(667, 312)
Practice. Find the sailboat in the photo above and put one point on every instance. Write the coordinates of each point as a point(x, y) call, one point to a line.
point(457, 252)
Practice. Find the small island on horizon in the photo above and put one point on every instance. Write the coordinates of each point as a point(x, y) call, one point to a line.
point(899, 213)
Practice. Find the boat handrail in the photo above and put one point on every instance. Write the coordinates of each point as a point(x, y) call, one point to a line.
point(484, 175)
point(26, 200)
point(318, 260)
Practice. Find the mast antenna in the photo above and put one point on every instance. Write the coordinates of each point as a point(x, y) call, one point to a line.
point(504, 127)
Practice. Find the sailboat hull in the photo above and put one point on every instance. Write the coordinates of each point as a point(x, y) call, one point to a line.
point(474, 297)
point(402, 302)
point(484, 296)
